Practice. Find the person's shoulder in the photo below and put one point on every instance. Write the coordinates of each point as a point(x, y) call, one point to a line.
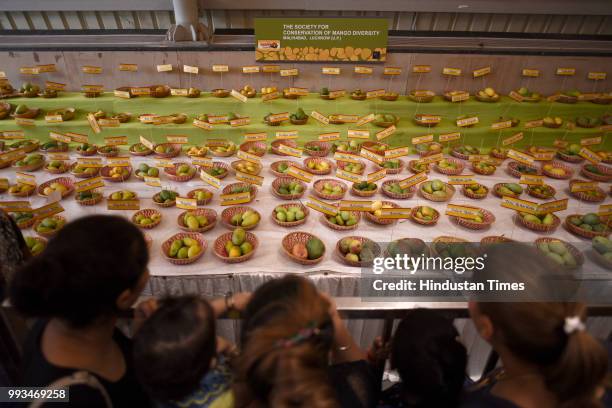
point(478, 395)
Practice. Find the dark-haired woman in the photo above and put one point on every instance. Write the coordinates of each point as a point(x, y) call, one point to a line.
point(430, 360)
point(94, 268)
point(13, 250)
point(290, 334)
point(549, 359)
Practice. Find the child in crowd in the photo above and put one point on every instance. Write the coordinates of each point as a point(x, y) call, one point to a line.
point(178, 358)
point(92, 270)
point(290, 334)
point(548, 358)
point(430, 361)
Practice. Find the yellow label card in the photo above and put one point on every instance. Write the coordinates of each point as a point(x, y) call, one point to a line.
point(544, 156)
point(255, 137)
point(413, 180)
point(25, 122)
point(164, 68)
point(237, 95)
point(463, 211)
point(318, 205)
point(337, 93)
point(90, 69)
point(578, 186)
point(358, 134)
point(269, 69)
point(95, 162)
point(464, 96)
point(330, 70)
point(208, 179)
point(220, 68)
point(365, 119)
point(589, 141)
point(278, 117)
point(395, 213)
point(385, 133)
point(462, 179)
point(237, 198)
point(152, 181)
point(185, 203)
point(46, 68)
point(451, 71)
point(128, 67)
point(12, 134)
point(468, 121)
point(421, 69)
point(328, 137)
point(347, 157)
point(122, 94)
point(376, 175)
point(397, 152)
point(320, 117)
point(501, 125)
point(392, 71)
point(56, 86)
point(188, 69)
point(348, 176)
point(512, 139)
point(605, 210)
point(241, 154)
point(520, 157)
point(141, 90)
point(287, 134)
point(371, 156)
point(566, 71)
point(109, 122)
point(289, 72)
point(297, 91)
point(250, 69)
point(89, 184)
point(516, 96)
point(531, 179)
point(553, 206)
point(60, 137)
point(375, 93)
point(147, 143)
point(422, 139)
point(529, 72)
point(118, 161)
point(589, 155)
point(270, 96)
point(597, 76)
point(534, 123)
point(47, 210)
point(58, 156)
point(355, 205)
point(431, 158)
point(177, 139)
point(449, 137)
point(430, 119)
point(15, 206)
point(179, 91)
point(481, 72)
point(519, 205)
point(202, 161)
point(123, 204)
point(299, 174)
point(363, 70)
point(202, 125)
point(25, 178)
point(290, 151)
point(93, 123)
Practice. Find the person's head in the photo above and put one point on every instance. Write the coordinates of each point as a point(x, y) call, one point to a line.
point(429, 358)
point(174, 348)
point(13, 251)
point(95, 267)
point(548, 336)
point(287, 338)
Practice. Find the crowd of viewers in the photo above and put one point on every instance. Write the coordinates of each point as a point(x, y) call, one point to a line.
point(294, 349)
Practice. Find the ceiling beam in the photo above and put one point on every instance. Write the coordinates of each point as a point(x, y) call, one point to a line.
point(80, 5)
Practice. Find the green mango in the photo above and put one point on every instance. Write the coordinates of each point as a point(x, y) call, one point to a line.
point(557, 247)
point(238, 236)
point(591, 219)
point(437, 185)
point(315, 248)
point(175, 246)
point(193, 251)
point(183, 253)
point(251, 220)
point(532, 219)
point(556, 257)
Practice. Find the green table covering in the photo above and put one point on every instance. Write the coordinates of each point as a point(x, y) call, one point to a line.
point(481, 135)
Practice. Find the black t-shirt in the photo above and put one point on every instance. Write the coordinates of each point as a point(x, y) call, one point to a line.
point(38, 372)
point(354, 383)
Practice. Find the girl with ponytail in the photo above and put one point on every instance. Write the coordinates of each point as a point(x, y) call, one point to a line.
point(548, 357)
point(92, 270)
point(290, 334)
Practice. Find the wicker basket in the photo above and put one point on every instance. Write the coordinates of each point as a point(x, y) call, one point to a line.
point(300, 237)
point(29, 148)
point(65, 181)
point(337, 227)
point(86, 153)
point(252, 189)
point(287, 142)
point(229, 212)
point(31, 167)
point(606, 177)
point(569, 172)
point(411, 167)
point(147, 212)
point(583, 196)
point(513, 171)
point(165, 247)
point(176, 150)
point(363, 193)
point(210, 214)
point(426, 251)
point(260, 146)
point(23, 193)
point(324, 146)
point(531, 192)
point(163, 205)
point(358, 97)
point(26, 224)
point(83, 175)
point(170, 172)
point(450, 190)
point(97, 197)
point(114, 151)
point(539, 227)
point(450, 171)
point(390, 170)
point(501, 156)
point(274, 167)
point(227, 153)
point(488, 99)
point(192, 193)
point(318, 160)
point(562, 98)
point(421, 98)
point(570, 158)
point(574, 229)
point(487, 219)
point(578, 256)
point(456, 153)
point(342, 164)
point(497, 193)
point(219, 165)
point(284, 180)
point(389, 97)
point(30, 114)
point(369, 145)
point(143, 153)
point(64, 147)
point(291, 223)
point(448, 240)
point(449, 97)
point(396, 196)
point(364, 242)
point(258, 167)
point(425, 153)
point(433, 221)
point(382, 221)
point(51, 233)
point(105, 173)
point(298, 121)
point(487, 172)
point(494, 239)
point(39, 240)
point(220, 93)
point(318, 187)
point(470, 194)
point(219, 247)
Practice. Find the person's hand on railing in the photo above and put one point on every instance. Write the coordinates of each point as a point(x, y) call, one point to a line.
point(378, 352)
point(345, 349)
point(232, 302)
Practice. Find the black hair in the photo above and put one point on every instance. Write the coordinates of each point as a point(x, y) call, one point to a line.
point(82, 271)
point(429, 358)
point(174, 348)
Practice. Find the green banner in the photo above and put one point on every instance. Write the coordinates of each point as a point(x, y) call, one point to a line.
point(321, 39)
